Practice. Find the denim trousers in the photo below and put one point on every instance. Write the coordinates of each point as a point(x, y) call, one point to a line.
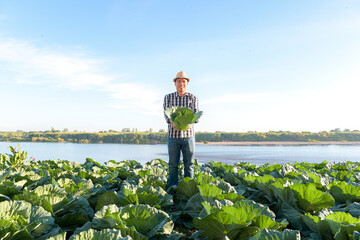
point(187, 147)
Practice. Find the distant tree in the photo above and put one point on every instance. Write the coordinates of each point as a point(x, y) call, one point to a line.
point(76, 131)
point(336, 130)
point(347, 130)
point(52, 129)
point(125, 130)
point(162, 130)
point(66, 130)
point(150, 130)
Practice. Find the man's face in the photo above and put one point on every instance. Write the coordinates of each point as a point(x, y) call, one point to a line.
point(181, 85)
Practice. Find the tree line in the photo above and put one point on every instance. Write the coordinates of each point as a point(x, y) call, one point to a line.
point(161, 136)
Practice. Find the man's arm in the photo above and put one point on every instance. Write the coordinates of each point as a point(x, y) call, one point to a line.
point(166, 105)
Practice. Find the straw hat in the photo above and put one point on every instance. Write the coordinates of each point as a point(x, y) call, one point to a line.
point(181, 74)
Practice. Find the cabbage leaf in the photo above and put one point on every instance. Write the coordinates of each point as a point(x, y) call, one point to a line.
point(21, 220)
point(182, 117)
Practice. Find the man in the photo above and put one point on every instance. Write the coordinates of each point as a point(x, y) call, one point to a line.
point(178, 140)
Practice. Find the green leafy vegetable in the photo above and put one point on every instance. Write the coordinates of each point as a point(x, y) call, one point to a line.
point(21, 220)
point(182, 116)
point(146, 221)
point(344, 192)
point(337, 225)
point(310, 199)
point(105, 234)
point(266, 234)
point(238, 221)
point(59, 198)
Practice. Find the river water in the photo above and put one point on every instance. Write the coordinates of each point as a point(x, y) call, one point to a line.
point(204, 153)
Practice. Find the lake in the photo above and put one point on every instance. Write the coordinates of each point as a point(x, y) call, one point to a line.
point(204, 153)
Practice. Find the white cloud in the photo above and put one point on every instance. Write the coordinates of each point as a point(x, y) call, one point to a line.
point(27, 63)
point(136, 96)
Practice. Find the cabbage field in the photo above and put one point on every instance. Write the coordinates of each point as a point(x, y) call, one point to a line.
point(58, 200)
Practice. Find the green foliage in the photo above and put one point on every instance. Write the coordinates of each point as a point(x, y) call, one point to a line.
point(337, 225)
point(16, 158)
point(58, 200)
point(308, 198)
point(21, 220)
point(345, 192)
point(266, 234)
point(143, 220)
point(182, 117)
point(160, 137)
point(238, 221)
point(91, 234)
point(188, 187)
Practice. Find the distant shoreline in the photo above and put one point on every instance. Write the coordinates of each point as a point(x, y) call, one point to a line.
point(278, 143)
point(216, 138)
point(268, 143)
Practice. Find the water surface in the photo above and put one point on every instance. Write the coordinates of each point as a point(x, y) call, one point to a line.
point(204, 153)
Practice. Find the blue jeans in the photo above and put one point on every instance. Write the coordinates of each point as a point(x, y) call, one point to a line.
point(187, 147)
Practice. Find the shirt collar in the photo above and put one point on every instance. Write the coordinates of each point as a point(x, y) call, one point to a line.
point(178, 95)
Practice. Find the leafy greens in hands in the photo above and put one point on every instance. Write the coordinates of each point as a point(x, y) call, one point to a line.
point(182, 117)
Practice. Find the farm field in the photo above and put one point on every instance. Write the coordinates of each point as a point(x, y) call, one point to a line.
point(59, 199)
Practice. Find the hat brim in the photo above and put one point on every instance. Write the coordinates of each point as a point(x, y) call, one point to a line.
point(188, 79)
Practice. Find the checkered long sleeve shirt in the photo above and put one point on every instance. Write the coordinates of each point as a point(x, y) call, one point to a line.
point(188, 100)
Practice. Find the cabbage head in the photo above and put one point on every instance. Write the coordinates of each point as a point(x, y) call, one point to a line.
point(182, 117)
point(21, 220)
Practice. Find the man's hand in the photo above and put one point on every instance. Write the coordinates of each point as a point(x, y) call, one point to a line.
point(174, 126)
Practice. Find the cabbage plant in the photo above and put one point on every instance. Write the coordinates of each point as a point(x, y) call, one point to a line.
point(182, 117)
point(105, 234)
point(238, 221)
point(134, 220)
point(337, 225)
point(21, 220)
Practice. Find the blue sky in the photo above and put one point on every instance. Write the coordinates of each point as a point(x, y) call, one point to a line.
point(255, 65)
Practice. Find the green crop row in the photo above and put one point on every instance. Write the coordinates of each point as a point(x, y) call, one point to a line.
point(58, 200)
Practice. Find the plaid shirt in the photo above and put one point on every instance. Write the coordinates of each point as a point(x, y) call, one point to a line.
point(188, 100)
